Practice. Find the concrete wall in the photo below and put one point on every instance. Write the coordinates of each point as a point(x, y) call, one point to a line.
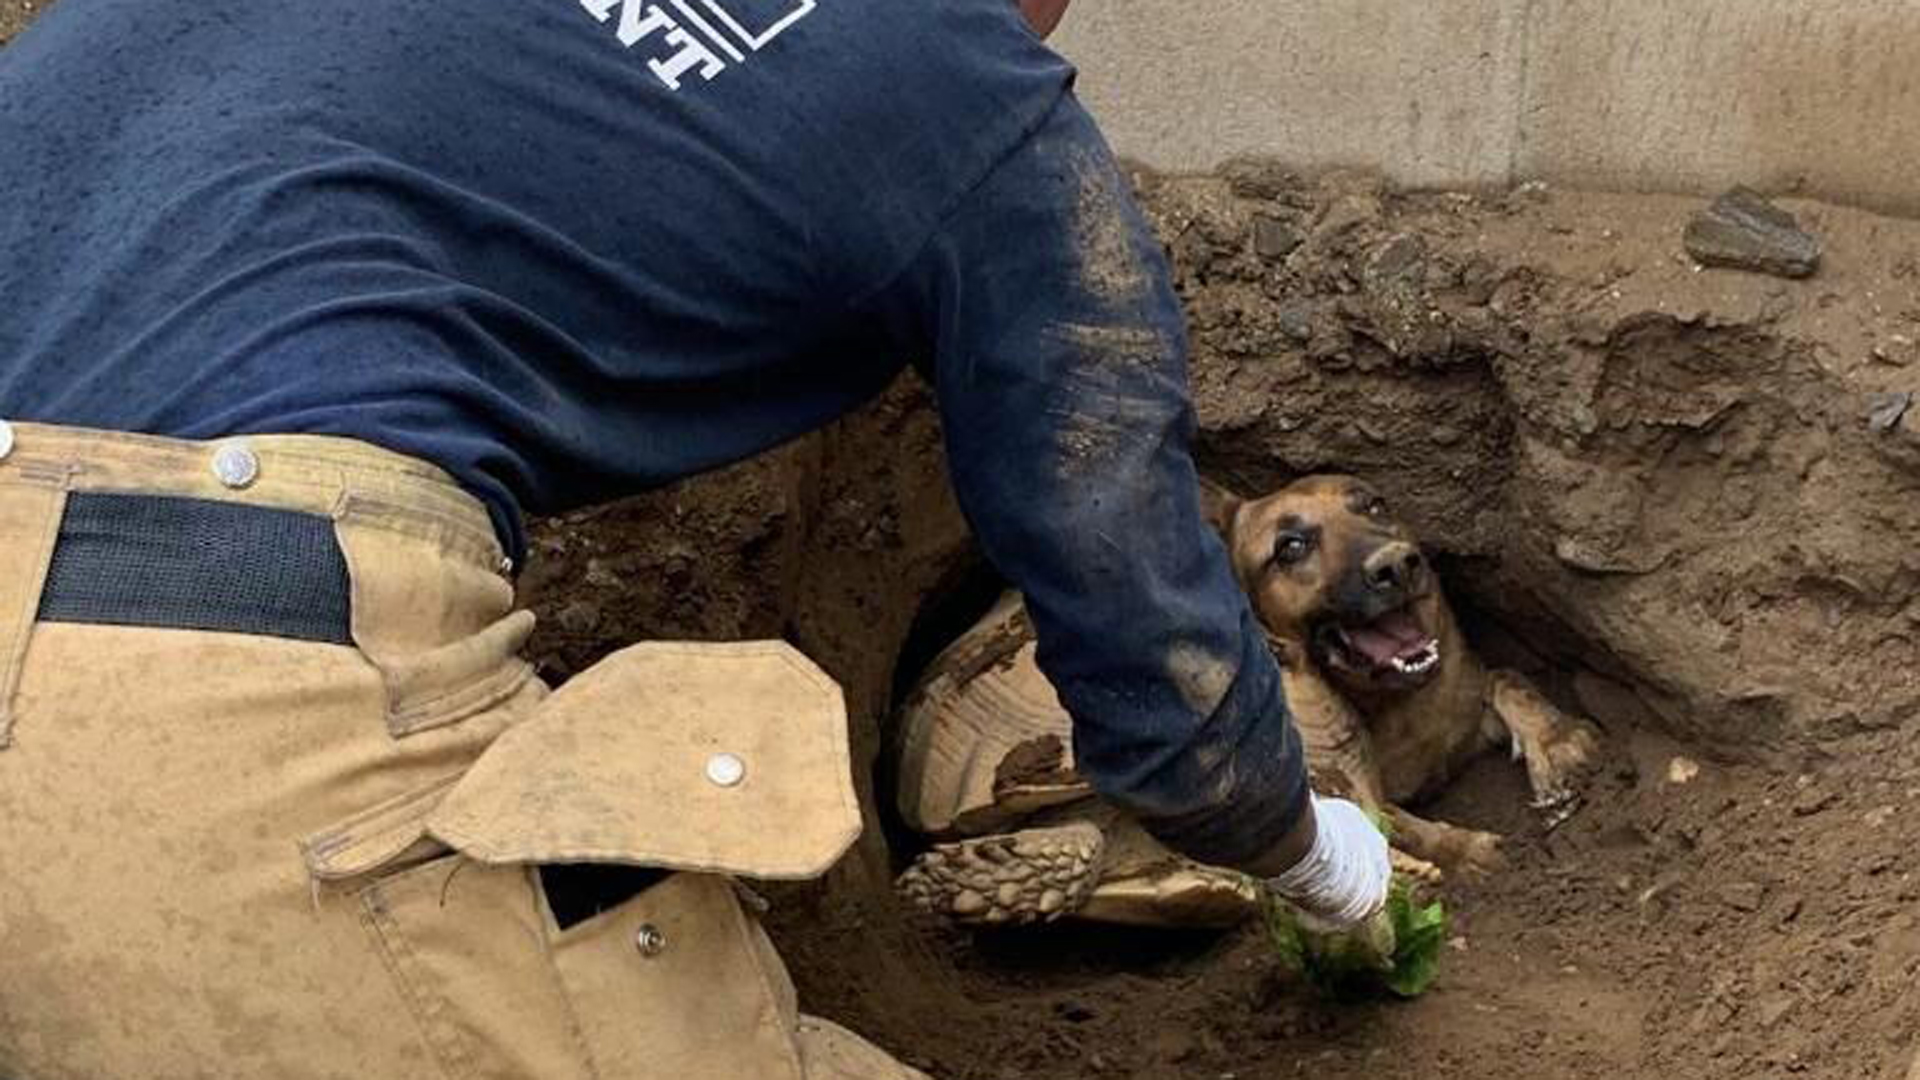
point(1820, 96)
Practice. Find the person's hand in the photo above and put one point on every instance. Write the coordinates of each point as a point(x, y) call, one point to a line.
point(1344, 878)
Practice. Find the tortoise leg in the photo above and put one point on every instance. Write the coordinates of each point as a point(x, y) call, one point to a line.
point(1144, 884)
point(1031, 876)
point(1557, 747)
point(1181, 895)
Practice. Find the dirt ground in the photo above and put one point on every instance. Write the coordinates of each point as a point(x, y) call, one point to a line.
point(1678, 569)
point(1652, 486)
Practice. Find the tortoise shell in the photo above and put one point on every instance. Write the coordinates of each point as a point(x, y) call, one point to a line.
point(985, 742)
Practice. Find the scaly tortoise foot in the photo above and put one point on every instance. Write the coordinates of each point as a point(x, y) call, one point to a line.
point(1032, 876)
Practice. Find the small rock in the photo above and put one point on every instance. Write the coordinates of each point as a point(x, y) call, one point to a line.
point(1878, 816)
point(1790, 910)
point(579, 617)
point(1743, 231)
point(1885, 411)
point(1255, 178)
point(1075, 1011)
point(1398, 258)
point(1898, 351)
point(1008, 894)
point(1811, 801)
point(1052, 900)
point(1582, 554)
point(969, 902)
point(1682, 770)
point(1774, 1010)
point(1743, 896)
point(1537, 191)
point(1274, 239)
point(1346, 214)
point(1296, 320)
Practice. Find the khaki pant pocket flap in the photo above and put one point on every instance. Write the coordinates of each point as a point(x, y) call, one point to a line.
point(727, 758)
point(390, 834)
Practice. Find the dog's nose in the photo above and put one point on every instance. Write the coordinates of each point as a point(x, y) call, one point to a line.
point(1394, 567)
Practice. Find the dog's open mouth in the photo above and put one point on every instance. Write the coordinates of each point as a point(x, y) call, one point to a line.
point(1393, 646)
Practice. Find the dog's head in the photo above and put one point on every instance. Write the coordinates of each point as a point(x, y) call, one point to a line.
point(1336, 580)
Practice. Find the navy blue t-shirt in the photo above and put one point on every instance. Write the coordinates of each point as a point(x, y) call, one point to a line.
point(571, 249)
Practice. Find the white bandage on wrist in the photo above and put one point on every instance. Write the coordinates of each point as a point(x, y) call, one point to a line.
point(1344, 878)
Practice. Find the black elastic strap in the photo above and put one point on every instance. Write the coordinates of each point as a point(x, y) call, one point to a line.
point(198, 564)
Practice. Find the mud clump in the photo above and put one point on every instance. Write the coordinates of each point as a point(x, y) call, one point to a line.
point(1037, 761)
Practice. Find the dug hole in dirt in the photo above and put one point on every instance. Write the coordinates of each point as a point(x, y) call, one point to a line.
point(1674, 495)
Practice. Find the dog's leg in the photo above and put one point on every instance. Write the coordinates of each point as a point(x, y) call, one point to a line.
point(1450, 846)
point(1557, 747)
point(1340, 750)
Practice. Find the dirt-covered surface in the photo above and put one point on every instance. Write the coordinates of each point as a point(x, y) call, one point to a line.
point(1654, 486)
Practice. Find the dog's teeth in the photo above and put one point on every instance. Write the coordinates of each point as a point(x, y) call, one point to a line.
point(1420, 663)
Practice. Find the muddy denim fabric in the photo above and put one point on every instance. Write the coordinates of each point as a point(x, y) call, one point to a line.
point(217, 858)
point(1060, 360)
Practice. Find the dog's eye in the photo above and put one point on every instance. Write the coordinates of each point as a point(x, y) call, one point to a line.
point(1376, 507)
point(1290, 548)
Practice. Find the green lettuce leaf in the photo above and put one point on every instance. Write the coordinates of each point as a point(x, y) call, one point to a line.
point(1398, 952)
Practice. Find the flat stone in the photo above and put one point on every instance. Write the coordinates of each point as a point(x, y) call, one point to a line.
point(1743, 896)
point(1885, 411)
point(1402, 258)
point(1743, 231)
point(1274, 239)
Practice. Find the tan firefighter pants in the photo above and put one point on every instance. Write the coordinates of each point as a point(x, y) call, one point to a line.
point(226, 855)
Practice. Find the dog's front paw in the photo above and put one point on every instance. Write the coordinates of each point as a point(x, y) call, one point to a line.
point(1558, 748)
point(1477, 854)
point(1417, 870)
point(1556, 761)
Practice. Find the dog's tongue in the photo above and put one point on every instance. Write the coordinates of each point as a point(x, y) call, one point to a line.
point(1394, 634)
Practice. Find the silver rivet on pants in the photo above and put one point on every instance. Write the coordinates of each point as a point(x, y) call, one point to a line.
point(649, 940)
point(726, 770)
point(6, 440)
point(505, 566)
point(236, 465)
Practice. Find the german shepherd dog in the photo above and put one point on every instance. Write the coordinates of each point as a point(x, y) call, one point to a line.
point(1389, 700)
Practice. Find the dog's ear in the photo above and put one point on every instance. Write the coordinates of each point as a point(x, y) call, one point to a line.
point(1219, 507)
